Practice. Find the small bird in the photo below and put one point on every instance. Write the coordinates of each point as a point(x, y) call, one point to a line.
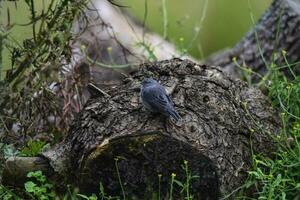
point(155, 99)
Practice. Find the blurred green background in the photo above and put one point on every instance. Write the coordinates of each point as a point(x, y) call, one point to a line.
point(225, 21)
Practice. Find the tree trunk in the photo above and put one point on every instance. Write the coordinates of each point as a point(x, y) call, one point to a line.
point(223, 121)
point(276, 31)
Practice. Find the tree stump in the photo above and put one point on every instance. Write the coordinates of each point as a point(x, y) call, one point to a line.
point(114, 139)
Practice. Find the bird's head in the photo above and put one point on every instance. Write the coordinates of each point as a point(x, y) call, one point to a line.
point(148, 81)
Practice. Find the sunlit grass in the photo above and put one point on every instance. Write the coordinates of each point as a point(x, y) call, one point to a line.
point(279, 177)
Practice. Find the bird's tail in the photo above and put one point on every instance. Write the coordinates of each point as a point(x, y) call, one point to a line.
point(175, 115)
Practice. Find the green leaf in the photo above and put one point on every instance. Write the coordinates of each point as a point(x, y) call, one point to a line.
point(30, 186)
point(33, 148)
point(178, 183)
point(101, 188)
point(83, 196)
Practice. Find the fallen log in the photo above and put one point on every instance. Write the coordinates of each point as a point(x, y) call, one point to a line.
point(114, 139)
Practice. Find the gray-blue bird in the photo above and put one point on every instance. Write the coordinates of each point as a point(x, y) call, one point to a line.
point(155, 98)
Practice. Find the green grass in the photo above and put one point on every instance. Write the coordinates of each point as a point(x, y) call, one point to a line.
point(279, 178)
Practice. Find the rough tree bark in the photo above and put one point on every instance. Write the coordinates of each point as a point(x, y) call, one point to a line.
point(223, 120)
point(278, 29)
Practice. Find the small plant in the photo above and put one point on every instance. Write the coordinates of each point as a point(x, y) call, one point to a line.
point(7, 194)
point(102, 195)
point(118, 173)
point(159, 182)
point(149, 49)
point(4, 194)
point(8, 150)
point(187, 183)
point(93, 197)
point(33, 148)
point(181, 47)
point(41, 188)
point(173, 175)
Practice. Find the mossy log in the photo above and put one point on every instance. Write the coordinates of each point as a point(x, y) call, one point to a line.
point(223, 122)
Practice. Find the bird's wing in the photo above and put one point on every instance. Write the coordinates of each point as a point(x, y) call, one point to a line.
point(170, 100)
point(157, 98)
